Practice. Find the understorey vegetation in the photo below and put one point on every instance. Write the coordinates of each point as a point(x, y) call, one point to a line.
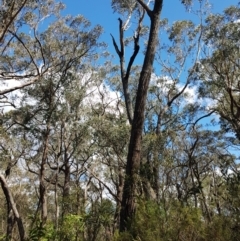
point(141, 143)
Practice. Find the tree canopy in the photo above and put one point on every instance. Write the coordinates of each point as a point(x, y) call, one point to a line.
point(137, 143)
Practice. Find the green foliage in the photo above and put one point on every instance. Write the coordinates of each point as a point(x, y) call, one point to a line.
point(71, 226)
point(219, 229)
point(153, 222)
point(99, 219)
point(87, 139)
point(2, 237)
point(124, 6)
point(41, 232)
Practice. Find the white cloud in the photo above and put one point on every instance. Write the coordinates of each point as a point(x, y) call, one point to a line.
point(103, 96)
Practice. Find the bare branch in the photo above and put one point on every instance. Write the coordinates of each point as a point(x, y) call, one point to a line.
point(136, 46)
point(40, 45)
point(3, 92)
point(125, 25)
point(145, 7)
point(116, 47)
point(25, 47)
point(121, 36)
point(178, 94)
point(202, 117)
point(108, 188)
point(11, 20)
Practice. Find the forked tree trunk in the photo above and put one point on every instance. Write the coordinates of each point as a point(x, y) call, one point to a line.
point(133, 159)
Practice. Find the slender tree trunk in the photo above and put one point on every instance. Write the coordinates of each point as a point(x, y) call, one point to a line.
point(42, 186)
point(119, 196)
point(66, 188)
point(10, 222)
point(11, 203)
point(56, 202)
point(133, 159)
point(156, 163)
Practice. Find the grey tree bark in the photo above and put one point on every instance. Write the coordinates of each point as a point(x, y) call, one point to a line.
point(133, 160)
point(12, 205)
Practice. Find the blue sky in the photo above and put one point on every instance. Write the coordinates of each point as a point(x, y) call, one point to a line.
point(100, 12)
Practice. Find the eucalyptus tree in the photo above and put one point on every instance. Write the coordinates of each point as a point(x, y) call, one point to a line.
point(11, 153)
point(170, 93)
point(54, 133)
point(10, 11)
point(136, 109)
point(219, 67)
point(133, 159)
point(20, 17)
point(111, 133)
point(45, 108)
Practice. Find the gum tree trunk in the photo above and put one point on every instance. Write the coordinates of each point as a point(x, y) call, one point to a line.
point(133, 160)
point(12, 205)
